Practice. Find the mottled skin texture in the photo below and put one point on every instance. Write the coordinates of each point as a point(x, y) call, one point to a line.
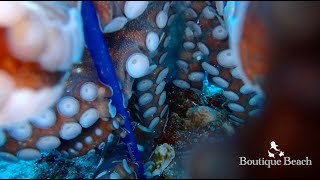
point(101, 103)
point(132, 39)
point(289, 69)
point(215, 46)
point(129, 40)
point(122, 44)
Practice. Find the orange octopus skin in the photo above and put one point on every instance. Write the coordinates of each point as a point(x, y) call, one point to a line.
point(254, 50)
point(215, 46)
point(124, 42)
point(104, 127)
point(25, 74)
point(132, 39)
point(37, 48)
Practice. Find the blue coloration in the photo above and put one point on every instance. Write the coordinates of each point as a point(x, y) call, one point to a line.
point(51, 165)
point(99, 52)
point(209, 90)
point(17, 170)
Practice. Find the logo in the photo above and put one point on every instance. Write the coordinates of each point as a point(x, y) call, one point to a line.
point(276, 157)
point(274, 147)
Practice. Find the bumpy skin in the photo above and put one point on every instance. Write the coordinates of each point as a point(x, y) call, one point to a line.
point(39, 44)
point(201, 53)
point(101, 104)
point(223, 76)
point(131, 39)
point(98, 132)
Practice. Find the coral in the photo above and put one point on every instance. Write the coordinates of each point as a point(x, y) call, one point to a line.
point(228, 128)
point(9, 170)
point(160, 159)
point(200, 116)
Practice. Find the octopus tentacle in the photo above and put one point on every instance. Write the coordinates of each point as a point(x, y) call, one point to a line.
point(96, 114)
point(146, 39)
point(140, 40)
point(78, 123)
point(114, 15)
point(206, 48)
point(33, 64)
point(151, 102)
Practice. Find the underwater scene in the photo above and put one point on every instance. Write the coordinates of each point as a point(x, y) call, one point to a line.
point(159, 89)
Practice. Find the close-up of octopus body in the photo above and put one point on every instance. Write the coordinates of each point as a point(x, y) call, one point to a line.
point(141, 37)
point(172, 76)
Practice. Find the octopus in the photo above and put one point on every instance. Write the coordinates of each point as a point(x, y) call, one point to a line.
point(152, 44)
point(33, 68)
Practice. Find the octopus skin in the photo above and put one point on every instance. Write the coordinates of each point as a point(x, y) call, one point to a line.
point(84, 117)
point(148, 89)
point(210, 42)
point(33, 64)
point(61, 123)
point(79, 118)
